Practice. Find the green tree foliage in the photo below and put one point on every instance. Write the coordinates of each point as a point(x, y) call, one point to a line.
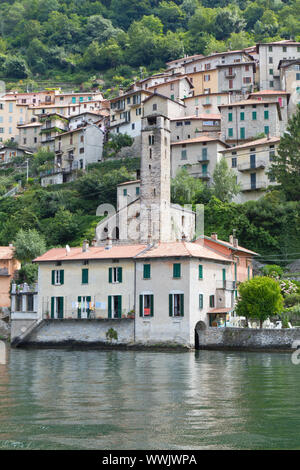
point(29, 244)
point(224, 182)
point(286, 163)
point(272, 270)
point(259, 299)
point(185, 189)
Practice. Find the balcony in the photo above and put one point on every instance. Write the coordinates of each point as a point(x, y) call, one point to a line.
point(226, 285)
point(250, 167)
point(200, 174)
point(254, 186)
point(203, 159)
point(206, 105)
point(230, 75)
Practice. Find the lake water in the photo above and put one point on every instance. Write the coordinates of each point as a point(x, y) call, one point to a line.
point(57, 399)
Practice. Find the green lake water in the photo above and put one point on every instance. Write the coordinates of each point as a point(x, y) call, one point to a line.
point(59, 399)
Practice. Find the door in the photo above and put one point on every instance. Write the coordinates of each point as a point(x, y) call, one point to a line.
point(253, 180)
point(57, 307)
point(253, 161)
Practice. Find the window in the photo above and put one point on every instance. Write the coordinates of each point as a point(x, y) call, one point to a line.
point(266, 130)
point(212, 301)
point(124, 192)
point(85, 276)
point(137, 191)
point(114, 306)
point(176, 305)
point(254, 115)
point(271, 72)
point(271, 155)
point(81, 150)
point(115, 275)
point(284, 49)
point(57, 307)
point(230, 132)
point(206, 78)
point(200, 301)
point(176, 270)
point(183, 155)
point(84, 304)
point(172, 97)
point(204, 153)
point(297, 76)
point(270, 60)
point(229, 117)
point(200, 270)
point(266, 114)
point(270, 48)
point(154, 107)
point(234, 162)
point(146, 305)
point(242, 133)
point(11, 108)
point(271, 84)
point(242, 116)
point(58, 277)
point(147, 271)
point(29, 303)
point(151, 139)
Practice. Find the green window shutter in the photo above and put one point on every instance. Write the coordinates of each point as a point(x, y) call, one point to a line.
point(119, 306)
point(182, 304)
point(85, 276)
point(88, 299)
point(52, 306)
point(79, 307)
point(170, 305)
point(254, 116)
point(266, 114)
point(242, 133)
point(230, 132)
point(242, 116)
point(201, 301)
point(60, 307)
point(248, 273)
point(109, 306)
point(110, 275)
point(120, 274)
point(147, 271)
point(53, 278)
point(176, 270)
point(266, 130)
point(200, 271)
point(230, 117)
point(141, 306)
point(62, 277)
point(151, 305)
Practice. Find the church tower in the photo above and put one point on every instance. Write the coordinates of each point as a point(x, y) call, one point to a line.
point(155, 214)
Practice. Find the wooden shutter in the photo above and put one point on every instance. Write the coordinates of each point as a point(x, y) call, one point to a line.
point(147, 271)
point(60, 307)
point(53, 277)
point(119, 306)
point(85, 276)
point(151, 305)
point(176, 270)
point(170, 305)
point(62, 276)
point(52, 305)
point(120, 274)
point(110, 275)
point(182, 305)
point(79, 307)
point(200, 271)
point(88, 299)
point(141, 306)
point(109, 306)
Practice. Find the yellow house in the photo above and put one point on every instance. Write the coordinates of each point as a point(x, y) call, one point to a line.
point(12, 114)
point(204, 82)
point(8, 266)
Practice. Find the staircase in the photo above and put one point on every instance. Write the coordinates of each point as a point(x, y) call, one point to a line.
point(16, 342)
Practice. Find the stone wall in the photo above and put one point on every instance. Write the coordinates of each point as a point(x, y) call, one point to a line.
point(82, 332)
point(4, 330)
point(247, 339)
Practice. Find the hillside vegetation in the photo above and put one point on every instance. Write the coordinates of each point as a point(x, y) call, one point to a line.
point(116, 40)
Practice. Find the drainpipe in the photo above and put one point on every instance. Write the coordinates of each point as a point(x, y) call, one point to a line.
point(134, 303)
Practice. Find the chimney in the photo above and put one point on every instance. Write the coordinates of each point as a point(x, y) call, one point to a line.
point(11, 245)
point(214, 236)
point(85, 246)
point(121, 92)
point(108, 244)
point(235, 242)
point(231, 239)
point(94, 242)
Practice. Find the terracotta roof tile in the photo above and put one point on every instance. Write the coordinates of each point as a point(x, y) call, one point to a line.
point(181, 249)
point(6, 252)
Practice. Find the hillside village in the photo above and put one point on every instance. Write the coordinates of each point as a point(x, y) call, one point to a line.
point(233, 105)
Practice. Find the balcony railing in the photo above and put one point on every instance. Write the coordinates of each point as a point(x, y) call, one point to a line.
point(248, 166)
point(200, 174)
point(254, 186)
point(226, 285)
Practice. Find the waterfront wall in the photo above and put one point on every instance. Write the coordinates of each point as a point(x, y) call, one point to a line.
point(247, 339)
point(4, 330)
point(85, 332)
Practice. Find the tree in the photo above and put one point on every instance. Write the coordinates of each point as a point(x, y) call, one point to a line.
point(259, 299)
point(286, 162)
point(228, 20)
point(15, 67)
point(185, 189)
point(29, 244)
point(224, 182)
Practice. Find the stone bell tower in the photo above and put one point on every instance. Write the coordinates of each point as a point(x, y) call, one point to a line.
point(155, 214)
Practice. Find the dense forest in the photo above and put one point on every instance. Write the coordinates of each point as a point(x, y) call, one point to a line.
point(113, 41)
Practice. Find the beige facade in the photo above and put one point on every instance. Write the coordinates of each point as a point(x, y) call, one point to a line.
point(177, 89)
point(204, 82)
point(30, 136)
point(245, 120)
point(199, 156)
point(290, 82)
point(191, 127)
point(8, 266)
point(157, 104)
point(236, 77)
point(12, 115)
point(208, 103)
point(251, 163)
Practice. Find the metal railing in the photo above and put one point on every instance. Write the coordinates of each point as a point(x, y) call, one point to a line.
point(226, 285)
point(248, 166)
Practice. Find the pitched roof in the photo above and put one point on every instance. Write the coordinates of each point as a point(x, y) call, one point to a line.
point(196, 140)
point(227, 244)
point(6, 252)
point(93, 253)
point(253, 143)
point(181, 249)
point(202, 117)
point(247, 102)
point(269, 92)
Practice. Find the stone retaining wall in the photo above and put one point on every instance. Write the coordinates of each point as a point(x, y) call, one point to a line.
point(247, 339)
point(81, 332)
point(4, 330)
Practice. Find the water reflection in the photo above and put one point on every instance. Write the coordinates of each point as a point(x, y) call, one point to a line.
point(140, 400)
